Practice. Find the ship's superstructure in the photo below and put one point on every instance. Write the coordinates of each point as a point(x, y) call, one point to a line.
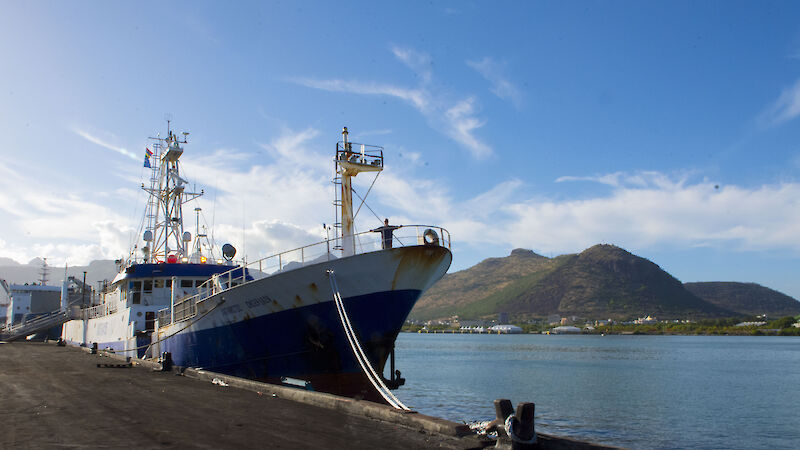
point(274, 318)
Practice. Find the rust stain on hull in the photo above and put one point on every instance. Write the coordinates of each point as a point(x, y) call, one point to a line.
point(419, 260)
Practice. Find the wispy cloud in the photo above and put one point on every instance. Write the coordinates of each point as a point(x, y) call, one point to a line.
point(501, 87)
point(96, 140)
point(784, 109)
point(463, 122)
point(416, 97)
point(457, 119)
point(419, 62)
point(641, 179)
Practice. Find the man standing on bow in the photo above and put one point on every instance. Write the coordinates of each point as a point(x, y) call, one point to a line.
point(386, 233)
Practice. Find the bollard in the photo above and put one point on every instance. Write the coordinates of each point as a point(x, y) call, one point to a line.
point(514, 432)
point(94, 348)
point(503, 409)
point(520, 427)
point(166, 362)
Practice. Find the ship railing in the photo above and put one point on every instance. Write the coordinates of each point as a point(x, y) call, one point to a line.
point(352, 152)
point(364, 242)
point(100, 310)
point(163, 317)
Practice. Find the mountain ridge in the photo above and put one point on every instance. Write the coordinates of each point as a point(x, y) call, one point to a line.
point(603, 281)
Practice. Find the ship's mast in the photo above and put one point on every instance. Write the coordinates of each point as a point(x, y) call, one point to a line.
point(200, 240)
point(165, 236)
point(349, 163)
point(43, 272)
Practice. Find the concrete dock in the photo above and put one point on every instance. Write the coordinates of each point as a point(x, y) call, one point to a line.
point(54, 396)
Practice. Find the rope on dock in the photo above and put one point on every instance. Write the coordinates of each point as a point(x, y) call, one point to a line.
point(358, 352)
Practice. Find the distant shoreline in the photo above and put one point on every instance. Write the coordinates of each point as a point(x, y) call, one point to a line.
point(786, 326)
point(763, 333)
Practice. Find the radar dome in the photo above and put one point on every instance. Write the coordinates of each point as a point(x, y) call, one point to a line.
point(148, 236)
point(187, 236)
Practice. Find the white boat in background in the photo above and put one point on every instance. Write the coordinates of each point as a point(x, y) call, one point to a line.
point(283, 316)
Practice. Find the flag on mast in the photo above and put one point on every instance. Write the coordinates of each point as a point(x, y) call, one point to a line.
point(147, 155)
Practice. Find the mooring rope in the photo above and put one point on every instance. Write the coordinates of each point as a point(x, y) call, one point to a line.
point(358, 352)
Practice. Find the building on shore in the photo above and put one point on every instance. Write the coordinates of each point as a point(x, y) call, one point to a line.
point(565, 330)
point(505, 329)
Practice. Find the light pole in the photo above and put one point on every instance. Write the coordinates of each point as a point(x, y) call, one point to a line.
point(83, 291)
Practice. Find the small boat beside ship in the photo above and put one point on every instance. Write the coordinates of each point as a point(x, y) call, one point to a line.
point(324, 313)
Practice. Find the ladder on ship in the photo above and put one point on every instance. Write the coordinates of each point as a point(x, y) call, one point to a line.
point(337, 206)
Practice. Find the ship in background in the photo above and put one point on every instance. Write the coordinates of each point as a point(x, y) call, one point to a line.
point(326, 314)
point(25, 305)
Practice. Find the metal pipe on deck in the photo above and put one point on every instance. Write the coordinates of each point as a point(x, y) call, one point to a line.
point(172, 301)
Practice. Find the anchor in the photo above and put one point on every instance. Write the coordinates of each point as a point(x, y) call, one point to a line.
point(395, 380)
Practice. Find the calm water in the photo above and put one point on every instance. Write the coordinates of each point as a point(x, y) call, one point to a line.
point(632, 391)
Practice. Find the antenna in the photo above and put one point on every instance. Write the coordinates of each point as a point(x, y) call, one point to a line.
point(168, 118)
point(244, 244)
point(197, 244)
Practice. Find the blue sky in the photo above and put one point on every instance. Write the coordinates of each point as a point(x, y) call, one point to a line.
point(669, 129)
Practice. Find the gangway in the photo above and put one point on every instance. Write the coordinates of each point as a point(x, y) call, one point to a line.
point(35, 325)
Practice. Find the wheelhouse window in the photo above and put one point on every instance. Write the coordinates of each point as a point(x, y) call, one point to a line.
point(135, 292)
point(186, 283)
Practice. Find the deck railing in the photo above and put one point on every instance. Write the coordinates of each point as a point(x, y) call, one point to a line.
point(101, 310)
point(365, 242)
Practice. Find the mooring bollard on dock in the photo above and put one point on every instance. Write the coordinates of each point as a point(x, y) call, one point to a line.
point(166, 362)
point(514, 431)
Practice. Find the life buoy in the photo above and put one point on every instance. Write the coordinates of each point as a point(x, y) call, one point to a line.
point(429, 237)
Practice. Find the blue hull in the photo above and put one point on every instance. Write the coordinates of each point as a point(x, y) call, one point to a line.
point(306, 343)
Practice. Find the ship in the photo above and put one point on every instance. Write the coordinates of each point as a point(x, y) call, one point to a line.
point(324, 316)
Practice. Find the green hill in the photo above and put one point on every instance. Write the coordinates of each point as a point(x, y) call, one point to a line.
point(746, 298)
point(457, 290)
point(603, 281)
